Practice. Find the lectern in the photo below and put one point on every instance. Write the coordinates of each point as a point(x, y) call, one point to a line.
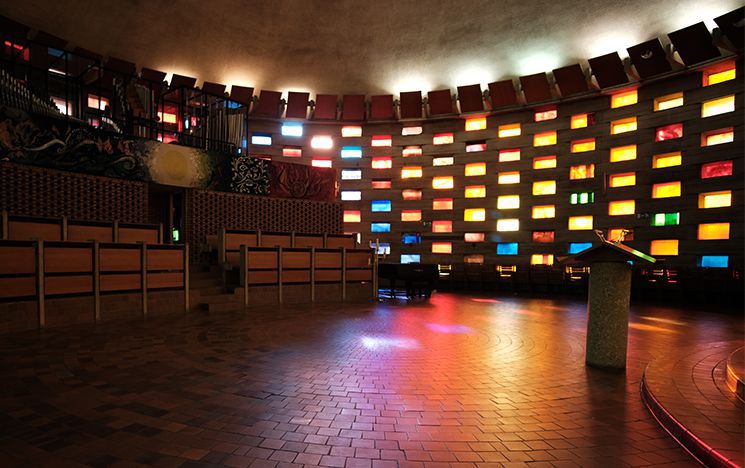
point(608, 301)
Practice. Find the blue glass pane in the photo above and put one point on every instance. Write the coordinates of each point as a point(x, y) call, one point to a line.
point(507, 248)
point(410, 258)
point(380, 227)
point(380, 205)
point(577, 247)
point(411, 238)
point(714, 261)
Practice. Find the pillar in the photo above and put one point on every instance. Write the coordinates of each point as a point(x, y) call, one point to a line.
point(608, 314)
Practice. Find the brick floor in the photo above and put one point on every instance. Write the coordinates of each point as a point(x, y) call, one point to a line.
point(449, 382)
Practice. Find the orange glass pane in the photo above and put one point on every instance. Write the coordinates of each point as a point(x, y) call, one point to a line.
point(713, 231)
point(442, 226)
point(352, 216)
point(621, 207)
point(664, 247)
point(623, 180)
point(544, 139)
point(544, 162)
point(626, 98)
point(666, 190)
point(411, 215)
point(442, 204)
point(442, 247)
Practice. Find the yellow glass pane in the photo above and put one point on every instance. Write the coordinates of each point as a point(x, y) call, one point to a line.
point(668, 101)
point(443, 161)
point(475, 191)
point(442, 204)
point(508, 225)
point(615, 234)
point(718, 137)
point(715, 199)
point(581, 146)
point(544, 187)
point(476, 169)
point(442, 247)
point(478, 123)
point(544, 139)
point(508, 202)
point(580, 223)
point(382, 163)
point(411, 215)
point(579, 121)
point(666, 190)
point(666, 160)
point(352, 217)
point(719, 77)
point(623, 153)
point(509, 130)
point(713, 231)
point(544, 162)
point(474, 214)
point(442, 182)
point(508, 177)
point(664, 247)
point(411, 172)
point(583, 171)
point(718, 106)
point(621, 207)
point(442, 139)
point(509, 155)
point(543, 212)
point(351, 131)
point(623, 180)
point(623, 125)
point(542, 259)
point(624, 99)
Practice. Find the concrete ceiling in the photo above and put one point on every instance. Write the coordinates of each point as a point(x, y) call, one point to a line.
point(359, 46)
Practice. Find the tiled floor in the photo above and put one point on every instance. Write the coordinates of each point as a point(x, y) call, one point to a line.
point(456, 381)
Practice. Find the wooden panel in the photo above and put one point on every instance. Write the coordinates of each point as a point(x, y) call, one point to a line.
point(120, 282)
point(134, 235)
point(17, 287)
point(119, 259)
point(165, 259)
point(68, 259)
point(89, 233)
point(28, 230)
point(68, 284)
point(233, 258)
point(262, 259)
point(17, 260)
point(273, 240)
point(358, 259)
point(328, 259)
point(338, 242)
point(359, 275)
point(212, 242)
point(328, 275)
point(296, 259)
point(165, 280)
point(262, 277)
point(234, 241)
point(295, 276)
point(305, 242)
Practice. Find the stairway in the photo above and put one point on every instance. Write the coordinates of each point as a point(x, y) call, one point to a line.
point(207, 292)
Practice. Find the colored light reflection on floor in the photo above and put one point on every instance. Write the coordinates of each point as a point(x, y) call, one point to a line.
point(378, 343)
point(445, 328)
point(645, 327)
point(479, 299)
point(664, 320)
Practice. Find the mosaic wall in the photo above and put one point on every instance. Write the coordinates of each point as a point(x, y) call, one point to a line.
point(36, 191)
point(209, 211)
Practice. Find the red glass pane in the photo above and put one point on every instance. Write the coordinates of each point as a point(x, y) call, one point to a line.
point(543, 236)
point(669, 132)
point(716, 169)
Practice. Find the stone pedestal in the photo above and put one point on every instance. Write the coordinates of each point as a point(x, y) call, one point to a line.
point(608, 314)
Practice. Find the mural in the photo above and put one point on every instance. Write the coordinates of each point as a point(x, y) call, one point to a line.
point(73, 146)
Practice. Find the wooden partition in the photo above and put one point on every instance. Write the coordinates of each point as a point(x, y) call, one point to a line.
point(16, 227)
point(281, 267)
point(229, 241)
point(37, 270)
